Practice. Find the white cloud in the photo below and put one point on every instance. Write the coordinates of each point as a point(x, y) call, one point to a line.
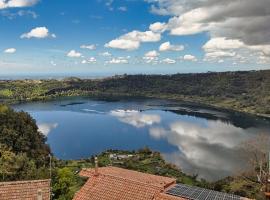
point(133, 40)
point(158, 27)
point(188, 23)
point(190, 58)
point(167, 46)
point(91, 60)
point(151, 54)
point(231, 24)
point(147, 36)
point(90, 47)
point(135, 118)
point(151, 57)
point(123, 44)
point(106, 54)
point(218, 48)
point(263, 59)
point(219, 54)
point(46, 128)
point(118, 60)
point(222, 43)
point(74, 54)
point(221, 47)
point(151, 60)
point(168, 61)
point(39, 32)
point(17, 3)
point(10, 50)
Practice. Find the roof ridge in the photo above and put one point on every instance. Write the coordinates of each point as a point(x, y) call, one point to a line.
point(143, 173)
point(26, 181)
point(131, 171)
point(135, 181)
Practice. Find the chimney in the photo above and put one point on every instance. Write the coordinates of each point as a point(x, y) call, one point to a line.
point(96, 166)
point(39, 194)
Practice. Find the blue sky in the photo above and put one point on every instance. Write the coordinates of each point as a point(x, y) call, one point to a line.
point(107, 37)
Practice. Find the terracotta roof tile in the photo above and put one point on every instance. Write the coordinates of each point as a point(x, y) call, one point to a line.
point(104, 187)
point(113, 183)
point(120, 184)
point(25, 190)
point(149, 179)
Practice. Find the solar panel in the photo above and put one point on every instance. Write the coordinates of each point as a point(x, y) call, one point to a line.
point(196, 193)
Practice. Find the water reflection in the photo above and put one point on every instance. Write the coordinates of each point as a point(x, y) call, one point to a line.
point(46, 128)
point(209, 150)
point(136, 118)
point(199, 140)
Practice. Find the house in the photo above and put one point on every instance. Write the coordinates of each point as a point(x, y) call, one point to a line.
point(112, 183)
point(25, 190)
point(119, 156)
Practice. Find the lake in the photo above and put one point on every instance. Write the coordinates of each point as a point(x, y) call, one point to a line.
point(198, 139)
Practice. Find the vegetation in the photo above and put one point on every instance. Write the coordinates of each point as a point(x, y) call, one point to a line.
point(243, 91)
point(147, 161)
point(66, 183)
point(22, 147)
point(24, 155)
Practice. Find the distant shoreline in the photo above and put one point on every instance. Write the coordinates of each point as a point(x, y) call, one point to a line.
point(240, 91)
point(37, 77)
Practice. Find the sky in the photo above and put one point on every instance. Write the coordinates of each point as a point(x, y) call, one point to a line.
point(108, 37)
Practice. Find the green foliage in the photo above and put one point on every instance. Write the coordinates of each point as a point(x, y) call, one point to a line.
point(18, 166)
point(20, 133)
point(242, 91)
point(3, 108)
point(24, 153)
point(147, 161)
point(6, 93)
point(65, 184)
point(239, 186)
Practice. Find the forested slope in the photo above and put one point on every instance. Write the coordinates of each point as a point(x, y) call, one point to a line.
point(243, 91)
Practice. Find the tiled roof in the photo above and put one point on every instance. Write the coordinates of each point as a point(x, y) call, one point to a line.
point(25, 190)
point(104, 187)
point(120, 184)
point(149, 179)
point(111, 183)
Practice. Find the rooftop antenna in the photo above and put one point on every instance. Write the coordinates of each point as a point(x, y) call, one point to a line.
point(96, 166)
point(40, 196)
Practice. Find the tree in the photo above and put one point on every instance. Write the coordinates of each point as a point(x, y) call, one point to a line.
point(256, 151)
point(23, 149)
point(16, 166)
point(18, 131)
point(64, 180)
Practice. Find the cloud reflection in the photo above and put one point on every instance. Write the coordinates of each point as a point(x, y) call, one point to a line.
point(136, 118)
point(46, 128)
point(209, 150)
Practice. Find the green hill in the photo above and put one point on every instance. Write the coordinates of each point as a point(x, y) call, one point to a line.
point(242, 91)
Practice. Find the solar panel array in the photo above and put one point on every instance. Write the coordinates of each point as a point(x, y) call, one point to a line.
point(196, 193)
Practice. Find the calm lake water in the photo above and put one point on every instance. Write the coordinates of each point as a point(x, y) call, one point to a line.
point(199, 140)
